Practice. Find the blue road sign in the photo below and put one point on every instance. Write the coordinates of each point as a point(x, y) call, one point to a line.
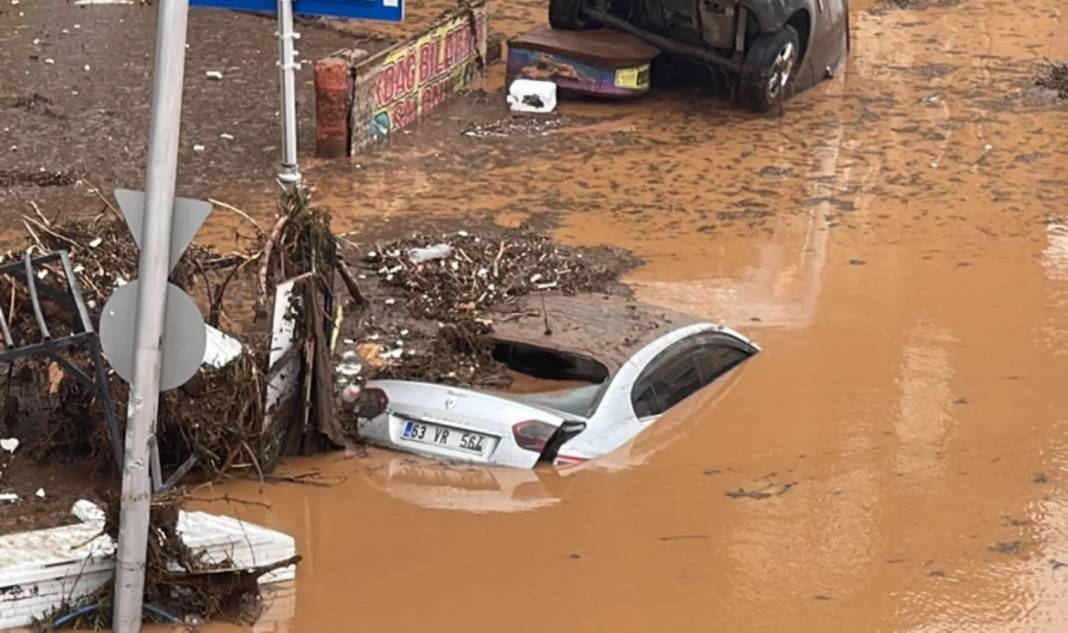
point(382, 10)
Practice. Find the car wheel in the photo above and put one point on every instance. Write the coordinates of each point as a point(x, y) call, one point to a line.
point(567, 15)
point(770, 65)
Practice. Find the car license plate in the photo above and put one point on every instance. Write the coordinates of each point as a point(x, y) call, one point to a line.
point(449, 437)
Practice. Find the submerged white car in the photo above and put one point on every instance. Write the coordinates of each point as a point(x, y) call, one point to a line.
point(633, 362)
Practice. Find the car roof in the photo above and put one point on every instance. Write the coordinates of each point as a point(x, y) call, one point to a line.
point(608, 329)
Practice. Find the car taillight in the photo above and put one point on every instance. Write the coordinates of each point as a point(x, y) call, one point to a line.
point(533, 435)
point(373, 403)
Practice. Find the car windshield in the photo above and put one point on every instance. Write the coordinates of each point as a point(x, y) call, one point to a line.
point(576, 402)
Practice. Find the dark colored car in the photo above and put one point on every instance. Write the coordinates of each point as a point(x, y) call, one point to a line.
point(765, 49)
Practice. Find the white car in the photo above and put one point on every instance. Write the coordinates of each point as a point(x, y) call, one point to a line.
point(634, 362)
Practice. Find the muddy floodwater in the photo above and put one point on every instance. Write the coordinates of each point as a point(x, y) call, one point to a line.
point(895, 460)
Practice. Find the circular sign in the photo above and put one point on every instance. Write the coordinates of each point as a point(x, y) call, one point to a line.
point(184, 335)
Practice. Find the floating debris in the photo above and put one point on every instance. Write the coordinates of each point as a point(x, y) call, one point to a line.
point(430, 253)
point(9, 444)
point(437, 314)
point(351, 394)
point(1055, 78)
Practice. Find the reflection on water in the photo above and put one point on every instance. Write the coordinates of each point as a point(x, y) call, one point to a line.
point(470, 488)
point(925, 422)
point(1055, 255)
point(279, 607)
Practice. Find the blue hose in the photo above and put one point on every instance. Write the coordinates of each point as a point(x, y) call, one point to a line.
point(77, 613)
point(161, 613)
point(73, 615)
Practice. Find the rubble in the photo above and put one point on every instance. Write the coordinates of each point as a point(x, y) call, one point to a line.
point(64, 418)
point(1055, 77)
point(432, 320)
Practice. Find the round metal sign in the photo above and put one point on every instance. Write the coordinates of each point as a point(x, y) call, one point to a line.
point(184, 335)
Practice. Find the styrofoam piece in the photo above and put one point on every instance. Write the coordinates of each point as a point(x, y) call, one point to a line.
point(87, 511)
point(220, 348)
point(245, 544)
point(531, 95)
point(42, 569)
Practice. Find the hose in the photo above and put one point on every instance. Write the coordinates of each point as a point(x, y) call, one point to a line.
point(77, 613)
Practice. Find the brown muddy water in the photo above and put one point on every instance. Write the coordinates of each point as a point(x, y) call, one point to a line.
point(896, 459)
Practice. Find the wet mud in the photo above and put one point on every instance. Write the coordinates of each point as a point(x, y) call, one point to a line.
point(75, 86)
point(895, 460)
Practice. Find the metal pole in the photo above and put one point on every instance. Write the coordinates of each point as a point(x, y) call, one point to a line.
point(287, 82)
point(160, 176)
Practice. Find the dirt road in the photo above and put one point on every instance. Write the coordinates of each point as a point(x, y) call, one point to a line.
point(896, 460)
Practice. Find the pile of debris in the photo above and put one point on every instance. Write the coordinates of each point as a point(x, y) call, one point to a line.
point(431, 301)
point(218, 416)
point(57, 415)
point(1054, 78)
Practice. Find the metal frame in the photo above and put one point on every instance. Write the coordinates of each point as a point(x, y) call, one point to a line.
point(52, 347)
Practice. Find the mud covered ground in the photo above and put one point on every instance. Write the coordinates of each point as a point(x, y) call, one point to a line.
point(75, 83)
point(895, 460)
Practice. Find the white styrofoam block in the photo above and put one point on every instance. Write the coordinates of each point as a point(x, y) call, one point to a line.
point(531, 95)
point(41, 569)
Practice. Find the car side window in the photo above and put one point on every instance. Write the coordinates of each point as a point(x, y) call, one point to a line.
point(715, 360)
point(679, 371)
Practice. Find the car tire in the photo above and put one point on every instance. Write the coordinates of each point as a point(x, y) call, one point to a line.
point(770, 65)
point(567, 15)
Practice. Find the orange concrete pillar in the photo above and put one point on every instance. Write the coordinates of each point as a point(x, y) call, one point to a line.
point(333, 96)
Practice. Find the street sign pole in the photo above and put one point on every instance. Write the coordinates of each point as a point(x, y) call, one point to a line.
point(288, 65)
point(160, 176)
point(384, 10)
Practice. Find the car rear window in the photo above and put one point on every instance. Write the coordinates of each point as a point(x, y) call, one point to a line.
point(549, 364)
point(681, 370)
